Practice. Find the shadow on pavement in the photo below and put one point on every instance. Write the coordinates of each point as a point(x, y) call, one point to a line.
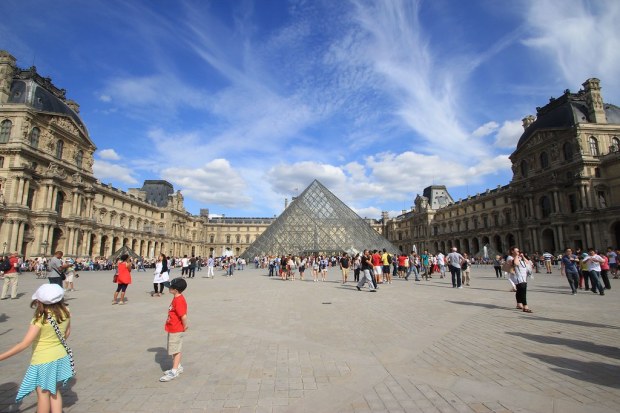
point(161, 357)
point(574, 322)
point(593, 372)
point(587, 346)
point(499, 307)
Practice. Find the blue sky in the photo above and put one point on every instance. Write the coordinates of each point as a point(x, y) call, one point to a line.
point(241, 104)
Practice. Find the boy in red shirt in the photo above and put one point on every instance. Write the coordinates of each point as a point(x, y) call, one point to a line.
point(176, 326)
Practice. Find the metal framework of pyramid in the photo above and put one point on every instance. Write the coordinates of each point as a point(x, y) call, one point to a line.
point(317, 222)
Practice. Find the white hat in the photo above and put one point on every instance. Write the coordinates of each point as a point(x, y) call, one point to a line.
point(49, 294)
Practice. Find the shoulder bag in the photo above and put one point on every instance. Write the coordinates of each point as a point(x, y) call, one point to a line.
point(62, 341)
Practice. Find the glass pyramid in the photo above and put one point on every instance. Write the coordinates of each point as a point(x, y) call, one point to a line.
point(317, 222)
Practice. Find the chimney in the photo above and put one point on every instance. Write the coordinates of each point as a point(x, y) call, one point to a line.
point(7, 68)
point(594, 100)
point(285, 203)
point(527, 121)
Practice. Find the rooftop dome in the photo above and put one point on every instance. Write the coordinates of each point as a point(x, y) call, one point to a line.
point(565, 112)
point(30, 89)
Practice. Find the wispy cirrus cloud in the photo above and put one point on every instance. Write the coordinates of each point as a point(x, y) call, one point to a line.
point(580, 41)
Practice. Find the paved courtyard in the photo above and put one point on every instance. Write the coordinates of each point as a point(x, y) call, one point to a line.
point(259, 344)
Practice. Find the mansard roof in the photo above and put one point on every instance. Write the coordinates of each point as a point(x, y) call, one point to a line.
point(31, 89)
point(565, 112)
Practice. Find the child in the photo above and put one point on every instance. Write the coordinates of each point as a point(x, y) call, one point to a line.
point(176, 326)
point(52, 360)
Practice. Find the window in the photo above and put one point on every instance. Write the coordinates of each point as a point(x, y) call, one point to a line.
point(79, 157)
point(161, 215)
point(485, 222)
point(593, 143)
point(211, 239)
point(34, 137)
point(508, 218)
point(228, 239)
point(544, 160)
point(602, 200)
point(5, 130)
point(545, 206)
point(1, 161)
point(572, 202)
point(568, 151)
point(59, 148)
point(238, 239)
point(597, 172)
point(524, 168)
point(615, 145)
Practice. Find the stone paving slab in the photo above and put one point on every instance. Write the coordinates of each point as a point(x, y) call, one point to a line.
point(259, 344)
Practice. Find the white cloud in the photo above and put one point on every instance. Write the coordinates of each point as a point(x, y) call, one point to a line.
point(108, 154)
point(108, 171)
point(214, 183)
point(581, 39)
point(486, 129)
point(105, 98)
point(508, 135)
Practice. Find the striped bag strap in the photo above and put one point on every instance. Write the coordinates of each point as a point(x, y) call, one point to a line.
point(62, 341)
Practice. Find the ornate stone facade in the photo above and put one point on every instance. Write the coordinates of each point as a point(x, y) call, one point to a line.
point(565, 189)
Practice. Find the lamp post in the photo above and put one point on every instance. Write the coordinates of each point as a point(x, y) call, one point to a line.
point(3, 248)
point(44, 246)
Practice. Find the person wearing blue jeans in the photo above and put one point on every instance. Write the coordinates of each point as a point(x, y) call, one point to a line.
point(593, 260)
point(570, 269)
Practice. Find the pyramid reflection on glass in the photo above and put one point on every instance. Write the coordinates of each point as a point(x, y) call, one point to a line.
point(317, 222)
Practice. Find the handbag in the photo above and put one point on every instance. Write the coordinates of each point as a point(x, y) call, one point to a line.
point(115, 278)
point(63, 342)
point(62, 275)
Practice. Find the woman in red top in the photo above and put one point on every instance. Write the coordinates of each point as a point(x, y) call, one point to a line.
point(123, 279)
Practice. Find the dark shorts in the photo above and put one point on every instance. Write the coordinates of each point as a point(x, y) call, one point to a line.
point(121, 287)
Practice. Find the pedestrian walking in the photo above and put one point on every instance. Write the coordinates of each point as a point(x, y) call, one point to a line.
point(122, 278)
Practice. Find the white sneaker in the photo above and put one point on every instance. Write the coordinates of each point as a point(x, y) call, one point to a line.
point(179, 371)
point(169, 376)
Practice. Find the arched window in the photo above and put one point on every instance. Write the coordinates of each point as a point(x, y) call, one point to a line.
point(211, 239)
point(5, 130)
point(79, 157)
point(544, 160)
point(593, 146)
point(524, 168)
point(59, 148)
point(34, 137)
point(568, 151)
point(545, 206)
point(615, 145)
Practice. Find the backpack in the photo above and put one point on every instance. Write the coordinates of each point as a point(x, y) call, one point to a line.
point(5, 265)
point(389, 258)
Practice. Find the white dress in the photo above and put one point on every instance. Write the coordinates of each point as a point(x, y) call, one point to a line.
point(158, 276)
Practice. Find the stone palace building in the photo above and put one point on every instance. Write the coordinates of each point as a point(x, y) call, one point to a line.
point(565, 188)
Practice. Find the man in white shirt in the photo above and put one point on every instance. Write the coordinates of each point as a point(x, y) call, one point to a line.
point(454, 262)
point(184, 266)
point(613, 261)
point(210, 265)
point(547, 257)
point(441, 262)
point(593, 260)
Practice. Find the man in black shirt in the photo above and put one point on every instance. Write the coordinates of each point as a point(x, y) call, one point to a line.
point(344, 267)
point(366, 273)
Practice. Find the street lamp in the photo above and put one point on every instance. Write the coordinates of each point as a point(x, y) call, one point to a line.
point(3, 248)
point(44, 245)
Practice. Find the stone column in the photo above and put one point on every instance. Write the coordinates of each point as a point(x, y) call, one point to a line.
point(24, 200)
point(12, 245)
point(20, 236)
point(54, 197)
point(556, 202)
point(70, 241)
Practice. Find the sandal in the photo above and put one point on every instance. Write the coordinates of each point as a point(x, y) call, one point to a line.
point(527, 310)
